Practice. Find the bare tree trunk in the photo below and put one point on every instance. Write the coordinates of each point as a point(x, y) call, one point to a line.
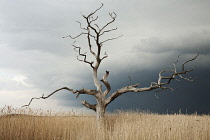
point(100, 108)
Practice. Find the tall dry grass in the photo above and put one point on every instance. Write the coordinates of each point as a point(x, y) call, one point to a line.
point(37, 125)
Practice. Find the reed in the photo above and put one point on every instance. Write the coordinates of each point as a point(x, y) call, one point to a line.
point(18, 124)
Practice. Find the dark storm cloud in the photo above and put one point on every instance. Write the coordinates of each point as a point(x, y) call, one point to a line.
point(191, 43)
point(193, 97)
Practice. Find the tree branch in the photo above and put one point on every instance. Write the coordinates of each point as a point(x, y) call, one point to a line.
point(104, 56)
point(81, 25)
point(86, 91)
point(174, 64)
point(90, 106)
point(91, 19)
point(183, 65)
point(80, 35)
point(155, 85)
point(97, 26)
point(82, 91)
point(110, 39)
point(164, 88)
point(108, 31)
point(82, 54)
point(113, 16)
point(45, 97)
point(92, 13)
point(106, 83)
point(89, 43)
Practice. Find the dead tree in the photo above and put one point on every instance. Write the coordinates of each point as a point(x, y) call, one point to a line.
point(94, 33)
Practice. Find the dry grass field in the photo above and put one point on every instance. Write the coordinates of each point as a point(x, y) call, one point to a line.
point(33, 125)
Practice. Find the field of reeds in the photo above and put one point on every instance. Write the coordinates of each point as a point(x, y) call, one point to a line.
point(16, 124)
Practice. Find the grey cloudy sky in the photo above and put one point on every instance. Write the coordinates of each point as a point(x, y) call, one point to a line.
point(36, 60)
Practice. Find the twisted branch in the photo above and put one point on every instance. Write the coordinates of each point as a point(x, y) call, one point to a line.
point(106, 83)
point(45, 97)
point(78, 92)
point(78, 49)
point(155, 85)
point(80, 24)
point(189, 61)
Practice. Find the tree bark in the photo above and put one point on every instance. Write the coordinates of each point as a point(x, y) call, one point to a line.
point(100, 108)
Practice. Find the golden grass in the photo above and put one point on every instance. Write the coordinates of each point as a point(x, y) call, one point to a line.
point(123, 126)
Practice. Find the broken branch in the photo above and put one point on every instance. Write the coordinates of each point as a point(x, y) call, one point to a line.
point(106, 83)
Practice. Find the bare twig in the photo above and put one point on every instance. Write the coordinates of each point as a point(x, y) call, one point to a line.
point(97, 26)
point(183, 65)
point(176, 62)
point(92, 13)
point(79, 35)
point(91, 19)
point(164, 88)
point(81, 25)
point(113, 16)
point(104, 56)
point(110, 39)
point(129, 80)
point(108, 31)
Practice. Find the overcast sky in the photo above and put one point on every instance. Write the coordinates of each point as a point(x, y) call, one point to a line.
point(36, 60)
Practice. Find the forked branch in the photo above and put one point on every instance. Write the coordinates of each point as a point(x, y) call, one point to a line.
point(92, 30)
point(78, 92)
point(113, 16)
point(156, 85)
